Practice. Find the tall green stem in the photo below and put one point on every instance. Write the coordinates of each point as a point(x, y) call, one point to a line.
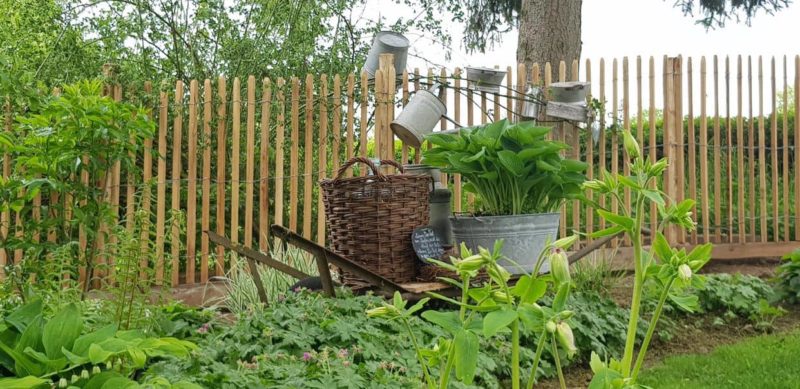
point(445, 380)
point(425, 373)
point(650, 330)
point(638, 283)
point(537, 358)
point(558, 363)
point(515, 354)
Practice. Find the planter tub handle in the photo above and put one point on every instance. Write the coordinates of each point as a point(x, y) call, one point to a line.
point(375, 171)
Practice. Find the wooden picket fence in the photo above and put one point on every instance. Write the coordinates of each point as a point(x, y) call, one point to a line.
point(236, 156)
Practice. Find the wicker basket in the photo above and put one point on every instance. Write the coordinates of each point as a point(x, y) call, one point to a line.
point(370, 219)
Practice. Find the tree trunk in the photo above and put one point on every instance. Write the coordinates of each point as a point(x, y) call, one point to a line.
point(549, 31)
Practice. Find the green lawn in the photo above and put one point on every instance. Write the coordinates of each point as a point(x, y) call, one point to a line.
point(769, 361)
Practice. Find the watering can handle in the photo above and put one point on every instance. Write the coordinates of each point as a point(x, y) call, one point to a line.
point(370, 164)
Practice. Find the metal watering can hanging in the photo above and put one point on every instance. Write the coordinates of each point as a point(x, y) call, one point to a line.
point(420, 116)
point(387, 42)
point(485, 79)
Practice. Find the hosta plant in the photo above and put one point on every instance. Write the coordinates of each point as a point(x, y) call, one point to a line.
point(669, 269)
point(490, 309)
point(513, 168)
point(40, 352)
point(787, 278)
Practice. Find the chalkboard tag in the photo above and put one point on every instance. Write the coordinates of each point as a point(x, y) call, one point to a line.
point(426, 244)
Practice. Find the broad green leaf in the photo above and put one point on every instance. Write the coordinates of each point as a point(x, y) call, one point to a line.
point(606, 379)
point(99, 381)
point(466, 344)
point(529, 289)
point(688, 303)
point(448, 320)
point(662, 248)
point(654, 196)
point(81, 345)
point(561, 297)
point(138, 357)
point(532, 317)
point(497, 320)
point(47, 363)
point(620, 220)
point(23, 364)
point(700, 254)
point(475, 157)
point(75, 359)
point(543, 165)
point(61, 331)
point(97, 355)
point(32, 337)
point(22, 383)
point(510, 161)
point(24, 315)
point(627, 181)
point(571, 165)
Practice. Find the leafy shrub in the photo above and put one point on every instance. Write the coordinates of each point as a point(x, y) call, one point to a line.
point(35, 350)
point(787, 278)
point(735, 295)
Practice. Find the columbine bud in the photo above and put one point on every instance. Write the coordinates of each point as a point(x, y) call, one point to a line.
point(559, 266)
point(564, 315)
point(501, 297)
point(567, 242)
point(62, 383)
point(593, 184)
point(550, 326)
point(565, 338)
point(684, 272)
point(657, 168)
point(498, 273)
point(471, 263)
point(631, 146)
point(378, 312)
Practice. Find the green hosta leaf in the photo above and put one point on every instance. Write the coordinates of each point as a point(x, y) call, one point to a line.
point(466, 344)
point(24, 315)
point(543, 165)
point(510, 161)
point(138, 357)
point(22, 383)
point(497, 320)
point(620, 220)
point(62, 330)
point(449, 320)
point(452, 142)
point(497, 129)
point(475, 157)
point(81, 345)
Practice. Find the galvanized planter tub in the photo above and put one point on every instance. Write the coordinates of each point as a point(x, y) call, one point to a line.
point(485, 79)
point(524, 236)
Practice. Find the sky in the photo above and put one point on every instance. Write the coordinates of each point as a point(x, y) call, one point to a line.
point(618, 28)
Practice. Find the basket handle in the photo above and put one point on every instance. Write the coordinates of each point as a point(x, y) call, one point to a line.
point(371, 165)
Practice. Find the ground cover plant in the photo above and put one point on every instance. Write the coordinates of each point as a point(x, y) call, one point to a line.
point(760, 362)
point(787, 278)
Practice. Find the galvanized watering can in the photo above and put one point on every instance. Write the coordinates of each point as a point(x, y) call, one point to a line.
point(419, 117)
point(485, 79)
point(532, 102)
point(387, 42)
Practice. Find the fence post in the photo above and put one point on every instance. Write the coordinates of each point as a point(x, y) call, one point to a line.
point(672, 123)
point(383, 100)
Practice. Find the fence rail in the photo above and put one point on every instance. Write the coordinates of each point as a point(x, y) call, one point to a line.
point(237, 154)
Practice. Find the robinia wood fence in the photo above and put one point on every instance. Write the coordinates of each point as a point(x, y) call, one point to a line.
point(234, 154)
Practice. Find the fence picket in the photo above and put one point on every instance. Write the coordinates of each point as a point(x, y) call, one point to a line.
point(294, 146)
point(762, 156)
point(191, 200)
point(322, 154)
point(205, 216)
point(774, 152)
point(308, 154)
point(222, 106)
point(740, 151)
point(250, 161)
point(176, 182)
point(263, 176)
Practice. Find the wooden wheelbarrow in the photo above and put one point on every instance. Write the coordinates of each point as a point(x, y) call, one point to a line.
point(325, 257)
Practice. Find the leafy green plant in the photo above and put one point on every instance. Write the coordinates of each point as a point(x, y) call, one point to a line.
point(513, 168)
point(735, 294)
point(787, 278)
point(37, 350)
point(669, 269)
point(489, 309)
point(596, 274)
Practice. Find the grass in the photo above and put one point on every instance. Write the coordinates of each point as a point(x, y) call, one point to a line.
point(768, 361)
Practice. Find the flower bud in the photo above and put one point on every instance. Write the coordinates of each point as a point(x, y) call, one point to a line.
point(559, 266)
point(565, 338)
point(472, 263)
point(62, 383)
point(95, 370)
point(631, 146)
point(74, 378)
point(565, 315)
point(593, 184)
point(85, 374)
point(684, 272)
point(657, 168)
point(378, 312)
point(501, 297)
point(550, 326)
point(498, 273)
point(566, 242)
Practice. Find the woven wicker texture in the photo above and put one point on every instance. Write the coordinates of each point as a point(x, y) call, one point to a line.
point(370, 219)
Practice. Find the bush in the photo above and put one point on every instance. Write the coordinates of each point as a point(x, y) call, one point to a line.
point(787, 279)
